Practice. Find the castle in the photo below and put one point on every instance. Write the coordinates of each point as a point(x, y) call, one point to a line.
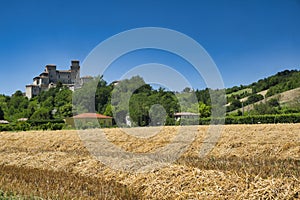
point(51, 77)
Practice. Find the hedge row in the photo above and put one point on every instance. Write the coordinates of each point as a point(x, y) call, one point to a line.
point(33, 125)
point(40, 122)
point(255, 119)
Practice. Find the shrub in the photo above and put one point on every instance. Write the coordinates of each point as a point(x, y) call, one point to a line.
point(265, 119)
point(57, 126)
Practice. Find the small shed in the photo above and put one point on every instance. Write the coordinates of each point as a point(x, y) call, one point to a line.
point(90, 120)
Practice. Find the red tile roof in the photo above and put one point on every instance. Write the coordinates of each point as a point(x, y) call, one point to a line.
point(91, 115)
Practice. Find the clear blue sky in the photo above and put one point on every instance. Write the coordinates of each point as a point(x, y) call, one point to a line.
point(248, 40)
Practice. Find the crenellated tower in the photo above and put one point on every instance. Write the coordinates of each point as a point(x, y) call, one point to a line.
point(75, 71)
point(52, 75)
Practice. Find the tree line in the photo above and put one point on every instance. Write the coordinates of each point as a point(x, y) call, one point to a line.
point(138, 100)
point(56, 103)
point(96, 96)
point(142, 101)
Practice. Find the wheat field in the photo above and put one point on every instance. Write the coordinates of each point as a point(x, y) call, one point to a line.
point(248, 162)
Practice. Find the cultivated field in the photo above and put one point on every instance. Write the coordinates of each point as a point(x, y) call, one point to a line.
point(248, 162)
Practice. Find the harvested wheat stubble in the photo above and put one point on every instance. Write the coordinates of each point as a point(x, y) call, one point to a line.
point(248, 162)
point(59, 184)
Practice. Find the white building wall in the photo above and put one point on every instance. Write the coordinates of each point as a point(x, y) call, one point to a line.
point(28, 92)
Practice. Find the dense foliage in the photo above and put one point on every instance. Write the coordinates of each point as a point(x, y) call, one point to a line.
point(280, 82)
point(52, 104)
point(135, 100)
point(258, 119)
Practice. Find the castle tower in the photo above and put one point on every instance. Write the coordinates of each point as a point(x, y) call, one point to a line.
point(75, 71)
point(51, 69)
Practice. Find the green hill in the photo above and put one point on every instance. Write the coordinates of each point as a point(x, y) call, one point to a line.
point(280, 82)
point(278, 87)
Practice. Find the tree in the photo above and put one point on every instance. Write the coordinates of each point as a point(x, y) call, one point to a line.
point(236, 104)
point(204, 110)
point(59, 85)
point(157, 115)
point(203, 96)
point(273, 102)
point(188, 102)
point(270, 107)
point(32, 106)
point(122, 94)
point(139, 107)
point(18, 93)
point(254, 98)
point(48, 103)
point(41, 114)
point(186, 90)
point(102, 96)
point(1, 114)
point(108, 110)
point(146, 88)
point(169, 101)
point(65, 110)
point(17, 106)
point(84, 98)
point(3, 104)
point(63, 97)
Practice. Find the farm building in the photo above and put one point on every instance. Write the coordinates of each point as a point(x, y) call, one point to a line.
point(22, 119)
point(90, 120)
point(4, 122)
point(187, 118)
point(185, 115)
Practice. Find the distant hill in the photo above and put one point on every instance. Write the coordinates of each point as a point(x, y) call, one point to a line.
point(288, 98)
point(283, 86)
point(280, 82)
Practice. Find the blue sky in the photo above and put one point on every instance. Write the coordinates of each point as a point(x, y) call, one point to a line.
point(248, 40)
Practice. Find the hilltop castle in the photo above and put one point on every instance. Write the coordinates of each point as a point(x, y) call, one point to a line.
point(50, 77)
